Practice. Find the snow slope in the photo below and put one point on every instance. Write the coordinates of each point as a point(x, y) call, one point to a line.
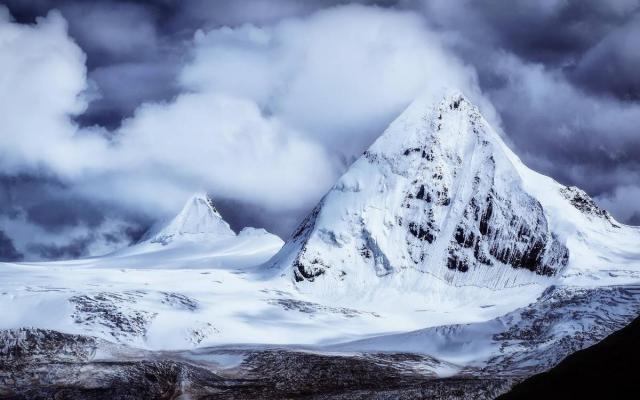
point(438, 230)
point(527, 340)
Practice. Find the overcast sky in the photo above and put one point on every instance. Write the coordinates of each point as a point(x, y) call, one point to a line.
point(113, 112)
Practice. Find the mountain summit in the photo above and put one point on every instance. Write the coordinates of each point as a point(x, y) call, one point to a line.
point(438, 195)
point(198, 217)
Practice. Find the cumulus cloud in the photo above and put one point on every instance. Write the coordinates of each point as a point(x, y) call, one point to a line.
point(339, 75)
point(225, 145)
point(43, 76)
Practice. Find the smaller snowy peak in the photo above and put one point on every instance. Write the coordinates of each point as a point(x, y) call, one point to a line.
point(251, 231)
point(198, 217)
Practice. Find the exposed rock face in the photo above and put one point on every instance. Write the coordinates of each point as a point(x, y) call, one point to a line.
point(581, 200)
point(115, 313)
point(17, 345)
point(126, 316)
point(525, 341)
point(436, 194)
point(563, 320)
point(42, 364)
point(604, 371)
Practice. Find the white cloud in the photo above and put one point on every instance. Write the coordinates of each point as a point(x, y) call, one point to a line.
point(42, 75)
point(224, 144)
point(339, 75)
point(271, 112)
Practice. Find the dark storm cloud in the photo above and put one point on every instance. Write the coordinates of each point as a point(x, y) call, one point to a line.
point(8, 251)
point(56, 214)
point(561, 74)
point(47, 220)
point(120, 88)
point(549, 31)
point(593, 42)
point(612, 65)
point(75, 249)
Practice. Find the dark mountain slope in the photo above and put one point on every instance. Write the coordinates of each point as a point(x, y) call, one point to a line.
point(607, 370)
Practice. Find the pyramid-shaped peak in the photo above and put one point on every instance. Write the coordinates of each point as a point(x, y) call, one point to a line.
point(454, 98)
point(199, 216)
point(449, 123)
point(456, 102)
point(436, 195)
point(431, 105)
point(201, 199)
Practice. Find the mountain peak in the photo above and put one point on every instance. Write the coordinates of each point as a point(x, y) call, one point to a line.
point(451, 122)
point(201, 199)
point(436, 195)
point(453, 99)
point(198, 217)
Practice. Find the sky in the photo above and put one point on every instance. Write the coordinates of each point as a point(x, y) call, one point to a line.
point(114, 112)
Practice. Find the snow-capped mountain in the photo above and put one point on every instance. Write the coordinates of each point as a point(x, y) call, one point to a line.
point(439, 196)
point(199, 236)
point(199, 219)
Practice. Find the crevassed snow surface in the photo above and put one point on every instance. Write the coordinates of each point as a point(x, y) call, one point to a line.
point(373, 261)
